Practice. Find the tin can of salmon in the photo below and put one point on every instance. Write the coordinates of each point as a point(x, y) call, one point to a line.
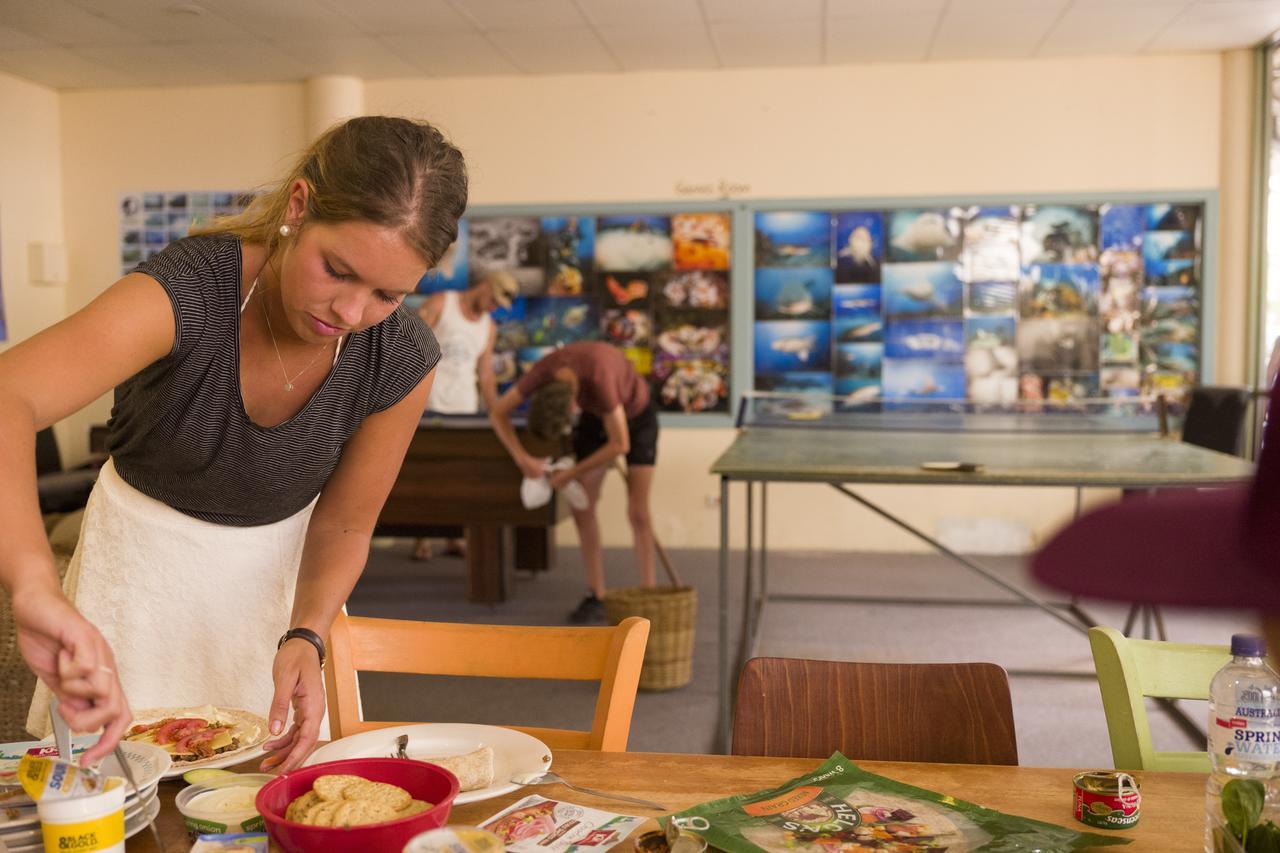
point(1107, 799)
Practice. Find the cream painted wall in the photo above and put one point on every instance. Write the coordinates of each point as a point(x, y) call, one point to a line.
point(217, 138)
point(30, 207)
point(902, 129)
point(30, 202)
point(1095, 125)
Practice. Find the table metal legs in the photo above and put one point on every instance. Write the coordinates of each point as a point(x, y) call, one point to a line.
point(753, 602)
point(722, 735)
point(964, 561)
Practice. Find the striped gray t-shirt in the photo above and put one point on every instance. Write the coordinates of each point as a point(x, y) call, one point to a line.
point(179, 432)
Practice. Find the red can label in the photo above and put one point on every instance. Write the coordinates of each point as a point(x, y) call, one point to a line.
point(1107, 800)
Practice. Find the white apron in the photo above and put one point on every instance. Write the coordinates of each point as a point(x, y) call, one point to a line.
point(192, 610)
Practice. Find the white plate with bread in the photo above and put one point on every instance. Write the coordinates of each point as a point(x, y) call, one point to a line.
point(484, 758)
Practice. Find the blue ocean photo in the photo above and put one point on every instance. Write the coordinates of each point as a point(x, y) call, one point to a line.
point(570, 237)
point(554, 320)
point(451, 273)
point(1180, 273)
point(856, 301)
point(793, 239)
point(514, 313)
point(923, 235)
point(856, 312)
point(990, 331)
point(857, 390)
point(859, 246)
point(859, 360)
point(922, 290)
point(1054, 290)
point(791, 345)
point(801, 382)
point(1181, 357)
point(793, 293)
point(1121, 225)
point(923, 379)
point(1160, 246)
point(936, 339)
point(848, 331)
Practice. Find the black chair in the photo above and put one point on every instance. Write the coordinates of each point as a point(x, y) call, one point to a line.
point(59, 490)
point(1215, 418)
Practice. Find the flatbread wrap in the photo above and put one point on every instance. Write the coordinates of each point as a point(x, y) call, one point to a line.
point(474, 769)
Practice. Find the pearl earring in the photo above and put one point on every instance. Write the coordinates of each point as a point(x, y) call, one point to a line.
point(285, 230)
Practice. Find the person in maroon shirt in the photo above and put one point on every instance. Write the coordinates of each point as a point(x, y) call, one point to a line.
point(616, 417)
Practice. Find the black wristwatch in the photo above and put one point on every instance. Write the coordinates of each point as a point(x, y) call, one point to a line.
point(304, 634)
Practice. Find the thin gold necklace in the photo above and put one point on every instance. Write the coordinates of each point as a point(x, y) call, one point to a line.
point(288, 383)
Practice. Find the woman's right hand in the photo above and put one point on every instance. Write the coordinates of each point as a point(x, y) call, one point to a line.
point(532, 467)
point(69, 655)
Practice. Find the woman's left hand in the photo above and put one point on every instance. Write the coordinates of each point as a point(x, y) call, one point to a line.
point(299, 683)
point(560, 479)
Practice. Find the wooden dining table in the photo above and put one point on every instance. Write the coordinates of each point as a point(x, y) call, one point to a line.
point(1172, 803)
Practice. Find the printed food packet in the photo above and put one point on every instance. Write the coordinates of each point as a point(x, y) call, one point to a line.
point(232, 842)
point(536, 825)
point(45, 778)
point(840, 807)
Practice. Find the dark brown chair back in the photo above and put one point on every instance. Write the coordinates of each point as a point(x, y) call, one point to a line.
point(953, 713)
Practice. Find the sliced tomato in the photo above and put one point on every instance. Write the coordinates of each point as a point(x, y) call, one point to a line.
point(175, 730)
point(192, 742)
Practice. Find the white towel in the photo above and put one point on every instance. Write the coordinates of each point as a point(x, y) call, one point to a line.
point(536, 491)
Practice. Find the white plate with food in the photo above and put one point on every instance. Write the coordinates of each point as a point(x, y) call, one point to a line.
point(475, 753)
point(207, 736)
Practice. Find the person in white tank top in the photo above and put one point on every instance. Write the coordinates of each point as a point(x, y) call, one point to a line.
point(466, 333)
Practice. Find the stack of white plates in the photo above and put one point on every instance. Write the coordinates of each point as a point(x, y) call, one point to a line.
point(19, 824)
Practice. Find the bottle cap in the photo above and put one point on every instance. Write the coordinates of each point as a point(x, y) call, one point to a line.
point(1248, 645)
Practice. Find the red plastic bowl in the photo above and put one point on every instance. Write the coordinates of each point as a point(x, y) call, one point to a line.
point(424, 781)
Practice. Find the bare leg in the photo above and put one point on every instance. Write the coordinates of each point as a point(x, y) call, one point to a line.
point(641, 484)
point(422, 549)
point(589, 531)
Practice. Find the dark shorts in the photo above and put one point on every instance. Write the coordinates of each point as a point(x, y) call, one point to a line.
point(590, 436)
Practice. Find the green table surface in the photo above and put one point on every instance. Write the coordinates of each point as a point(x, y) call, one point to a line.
point(1121, 460)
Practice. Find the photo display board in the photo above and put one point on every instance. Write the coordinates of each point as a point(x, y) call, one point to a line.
point(655, 285)
point(988, 304)
point(149, 221)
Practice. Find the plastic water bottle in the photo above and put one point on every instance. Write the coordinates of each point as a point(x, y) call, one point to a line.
point(1244, 712)
point(1244, 726)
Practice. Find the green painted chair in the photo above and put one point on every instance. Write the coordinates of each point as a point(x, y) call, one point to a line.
point(1130, 670)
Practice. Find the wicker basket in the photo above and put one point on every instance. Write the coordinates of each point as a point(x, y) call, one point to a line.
point(672, 613)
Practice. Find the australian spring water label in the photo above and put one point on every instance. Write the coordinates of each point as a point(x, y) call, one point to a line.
point(1252, 732)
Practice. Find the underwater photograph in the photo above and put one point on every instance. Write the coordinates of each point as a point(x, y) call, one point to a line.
point(859, 246)
point(793, 239)
point(793, 293)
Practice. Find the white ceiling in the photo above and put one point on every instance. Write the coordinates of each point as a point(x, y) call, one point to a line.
point(112, 43)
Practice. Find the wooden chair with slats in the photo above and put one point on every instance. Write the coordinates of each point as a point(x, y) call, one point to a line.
point(952, 713)
point(612, 656)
